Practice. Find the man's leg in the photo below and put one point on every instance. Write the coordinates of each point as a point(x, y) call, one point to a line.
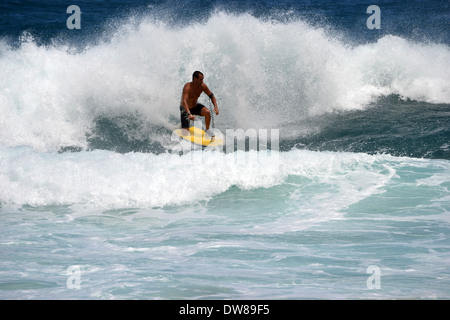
point(207, 114)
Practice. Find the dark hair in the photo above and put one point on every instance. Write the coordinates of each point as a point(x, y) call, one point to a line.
point(196, 74)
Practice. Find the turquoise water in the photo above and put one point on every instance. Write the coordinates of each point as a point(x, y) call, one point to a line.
point(311, 234)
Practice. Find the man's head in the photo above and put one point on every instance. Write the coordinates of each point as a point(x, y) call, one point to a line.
point(197, 76)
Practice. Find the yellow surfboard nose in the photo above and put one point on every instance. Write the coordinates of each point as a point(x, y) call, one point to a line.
point(198, 136)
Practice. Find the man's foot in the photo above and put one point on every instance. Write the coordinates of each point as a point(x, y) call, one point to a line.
point(210, 134)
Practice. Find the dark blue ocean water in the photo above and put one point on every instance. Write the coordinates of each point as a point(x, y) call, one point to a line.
point(92, 180)
point(417, 20)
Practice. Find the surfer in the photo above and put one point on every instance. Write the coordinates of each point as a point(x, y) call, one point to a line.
point(189, 105)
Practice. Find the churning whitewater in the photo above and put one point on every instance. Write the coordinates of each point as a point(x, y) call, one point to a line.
point(267, 74)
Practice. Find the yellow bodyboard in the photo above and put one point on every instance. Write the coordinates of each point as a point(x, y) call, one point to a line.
point(197, 136)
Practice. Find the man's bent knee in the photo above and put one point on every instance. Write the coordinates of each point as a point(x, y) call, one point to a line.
point(205, 112)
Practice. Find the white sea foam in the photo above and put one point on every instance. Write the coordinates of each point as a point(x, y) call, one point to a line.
point(264, 74)
point(110, 180)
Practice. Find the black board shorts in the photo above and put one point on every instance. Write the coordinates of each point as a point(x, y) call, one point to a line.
point(184, 116)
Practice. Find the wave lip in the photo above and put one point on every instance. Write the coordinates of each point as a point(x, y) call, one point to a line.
point(415, 71)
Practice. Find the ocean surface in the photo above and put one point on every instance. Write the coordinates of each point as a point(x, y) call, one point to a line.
point(337, 188)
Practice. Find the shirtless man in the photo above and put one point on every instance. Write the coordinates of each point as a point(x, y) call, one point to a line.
point(189, 106)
